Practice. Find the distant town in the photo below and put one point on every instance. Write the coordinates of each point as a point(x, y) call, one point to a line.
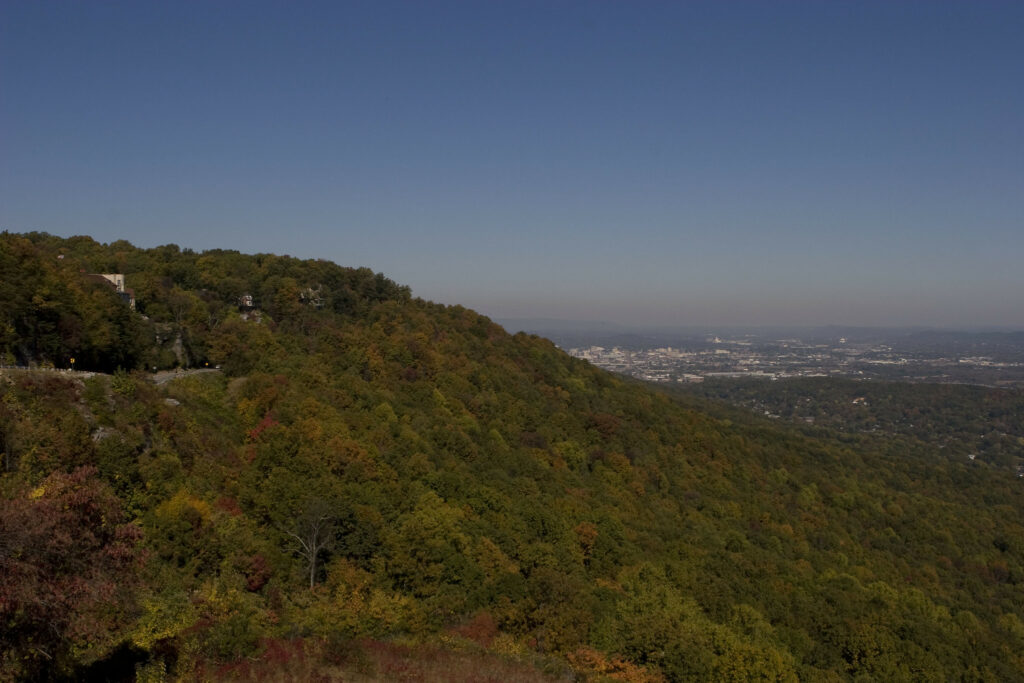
point(993, 359)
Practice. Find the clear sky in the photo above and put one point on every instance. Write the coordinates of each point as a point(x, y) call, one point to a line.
point(685, 163)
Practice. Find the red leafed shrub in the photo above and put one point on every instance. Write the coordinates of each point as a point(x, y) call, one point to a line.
point(228, 505)
point(68, 565)
point(257, 573)
point(264, 424)
point(281, 655)
point(607, 425)
point(481, 629)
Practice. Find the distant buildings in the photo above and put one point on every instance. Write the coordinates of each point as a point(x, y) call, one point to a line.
point(741, 358)
point(117, 280)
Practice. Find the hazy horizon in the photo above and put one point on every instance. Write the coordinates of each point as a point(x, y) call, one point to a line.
point(612, 327)
point(648, 164)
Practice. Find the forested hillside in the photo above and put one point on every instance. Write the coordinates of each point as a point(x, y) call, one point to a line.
point(983, 425)
point(374, 485)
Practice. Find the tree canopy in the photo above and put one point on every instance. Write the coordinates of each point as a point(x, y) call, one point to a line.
point(447, 486)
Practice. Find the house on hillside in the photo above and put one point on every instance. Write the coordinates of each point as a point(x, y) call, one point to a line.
point(117, 280)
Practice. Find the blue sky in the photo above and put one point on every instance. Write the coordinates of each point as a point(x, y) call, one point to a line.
point(697, 163)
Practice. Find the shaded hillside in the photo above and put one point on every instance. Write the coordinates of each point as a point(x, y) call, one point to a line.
point(443, 484)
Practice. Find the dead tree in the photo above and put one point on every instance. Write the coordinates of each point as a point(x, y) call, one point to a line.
point(313, 534)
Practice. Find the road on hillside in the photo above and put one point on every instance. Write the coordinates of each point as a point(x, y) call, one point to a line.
point(161, 377)
point(167, 375)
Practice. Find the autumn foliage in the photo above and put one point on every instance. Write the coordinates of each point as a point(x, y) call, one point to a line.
point(372, 485)
point(68, 567)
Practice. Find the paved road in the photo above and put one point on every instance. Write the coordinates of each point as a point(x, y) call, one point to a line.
point(81, 374)
point(167, 375)
point(161, 377)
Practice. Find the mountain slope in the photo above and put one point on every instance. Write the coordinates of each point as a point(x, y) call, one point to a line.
point(440, 481)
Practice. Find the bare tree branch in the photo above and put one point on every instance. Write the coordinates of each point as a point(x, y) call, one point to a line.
point(313, 533)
